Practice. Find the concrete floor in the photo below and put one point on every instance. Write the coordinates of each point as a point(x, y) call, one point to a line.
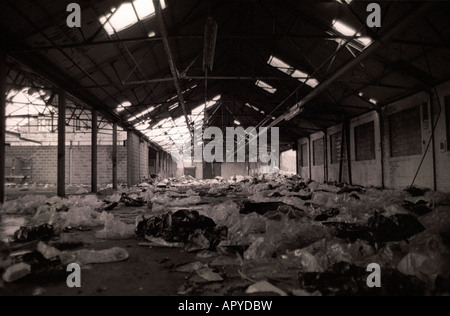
point(151, 271)
point(147, 272)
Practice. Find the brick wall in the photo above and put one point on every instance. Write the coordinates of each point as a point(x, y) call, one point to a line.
point(78, 163)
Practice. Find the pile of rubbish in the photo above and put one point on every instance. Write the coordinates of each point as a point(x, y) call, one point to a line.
point(198, 232)
point(275, 233)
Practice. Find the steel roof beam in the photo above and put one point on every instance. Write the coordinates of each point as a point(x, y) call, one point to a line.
point(390, 34)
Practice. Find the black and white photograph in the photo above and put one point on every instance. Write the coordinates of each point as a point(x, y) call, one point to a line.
point(223, 154)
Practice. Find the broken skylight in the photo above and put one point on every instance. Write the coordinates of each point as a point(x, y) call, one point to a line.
point(169, 131)
point(123, 105)
point(302, 76)
point(265, 86)
point(346, 30)
point(141, 114)
point(280, 65)
point(291, 71)
point(345, 1)
point(128, 14)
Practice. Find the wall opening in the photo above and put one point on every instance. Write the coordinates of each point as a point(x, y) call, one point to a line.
point(318, 152)
point(303, 155)
point(405, 133)
point(447, 115)
point(365, 141)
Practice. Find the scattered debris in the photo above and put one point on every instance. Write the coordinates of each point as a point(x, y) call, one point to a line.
point(47, 251)
point(86, 256)
point(345, 279)
point(207, 274)
point(43, 232)
point(264, 287)
point(397, 227)
point(311, 239)
point(128, 201)
point(159, 242)
point(16, 272)
point(327, 214)
point(419, 207)
point(414, 191)
point(184, 226)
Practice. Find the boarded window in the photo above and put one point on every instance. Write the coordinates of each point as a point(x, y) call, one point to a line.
point(337, 146)
point(405, 133)
point(303, 155)
point(318, 152)
point(365, 142)
point(447, 114)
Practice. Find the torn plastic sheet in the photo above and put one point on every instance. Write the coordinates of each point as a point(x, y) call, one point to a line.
point(264, 287)
point(86, 256)
point(282, 236)
point(114, 228)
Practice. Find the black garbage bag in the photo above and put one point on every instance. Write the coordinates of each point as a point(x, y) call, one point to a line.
point(420, 208)
point(182, 226)
point(394, 228)
point(350, 232)
point(125, 199)
point(416, 191)
point(42, 270)
point(345, 279)
point(43, 232)
point(325, 215)
point(379, 229)
point(445, 238)
point(109, 206)
point(259, 208)
point(350, 189)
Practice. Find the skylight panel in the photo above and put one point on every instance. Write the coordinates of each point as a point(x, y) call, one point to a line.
point(123, 105)
point(265, 86)
point(366, 41)
point(173, 107)
point(345, 1)
point(291, 71)
point(281, 65)
point(346, 30)
point(125, 16)
point(301, 76)
point(141, 114)
point(343, 28)
point(141, 126)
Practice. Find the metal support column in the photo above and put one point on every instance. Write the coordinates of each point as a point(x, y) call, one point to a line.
point(382, 149)
point(325, 156)
point(114, 157)
point(310, 158)
point(129, 159)
point(94, 152)
point(349, 152)
point(2, 124)
point(61, 143)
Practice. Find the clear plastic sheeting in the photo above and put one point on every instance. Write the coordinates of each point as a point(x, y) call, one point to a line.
point(305, 237)
point(114, 228)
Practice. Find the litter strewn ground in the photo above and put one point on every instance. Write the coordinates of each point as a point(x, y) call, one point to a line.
point(275, 234)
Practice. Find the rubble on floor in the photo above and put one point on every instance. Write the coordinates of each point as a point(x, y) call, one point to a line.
point(276, 234)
